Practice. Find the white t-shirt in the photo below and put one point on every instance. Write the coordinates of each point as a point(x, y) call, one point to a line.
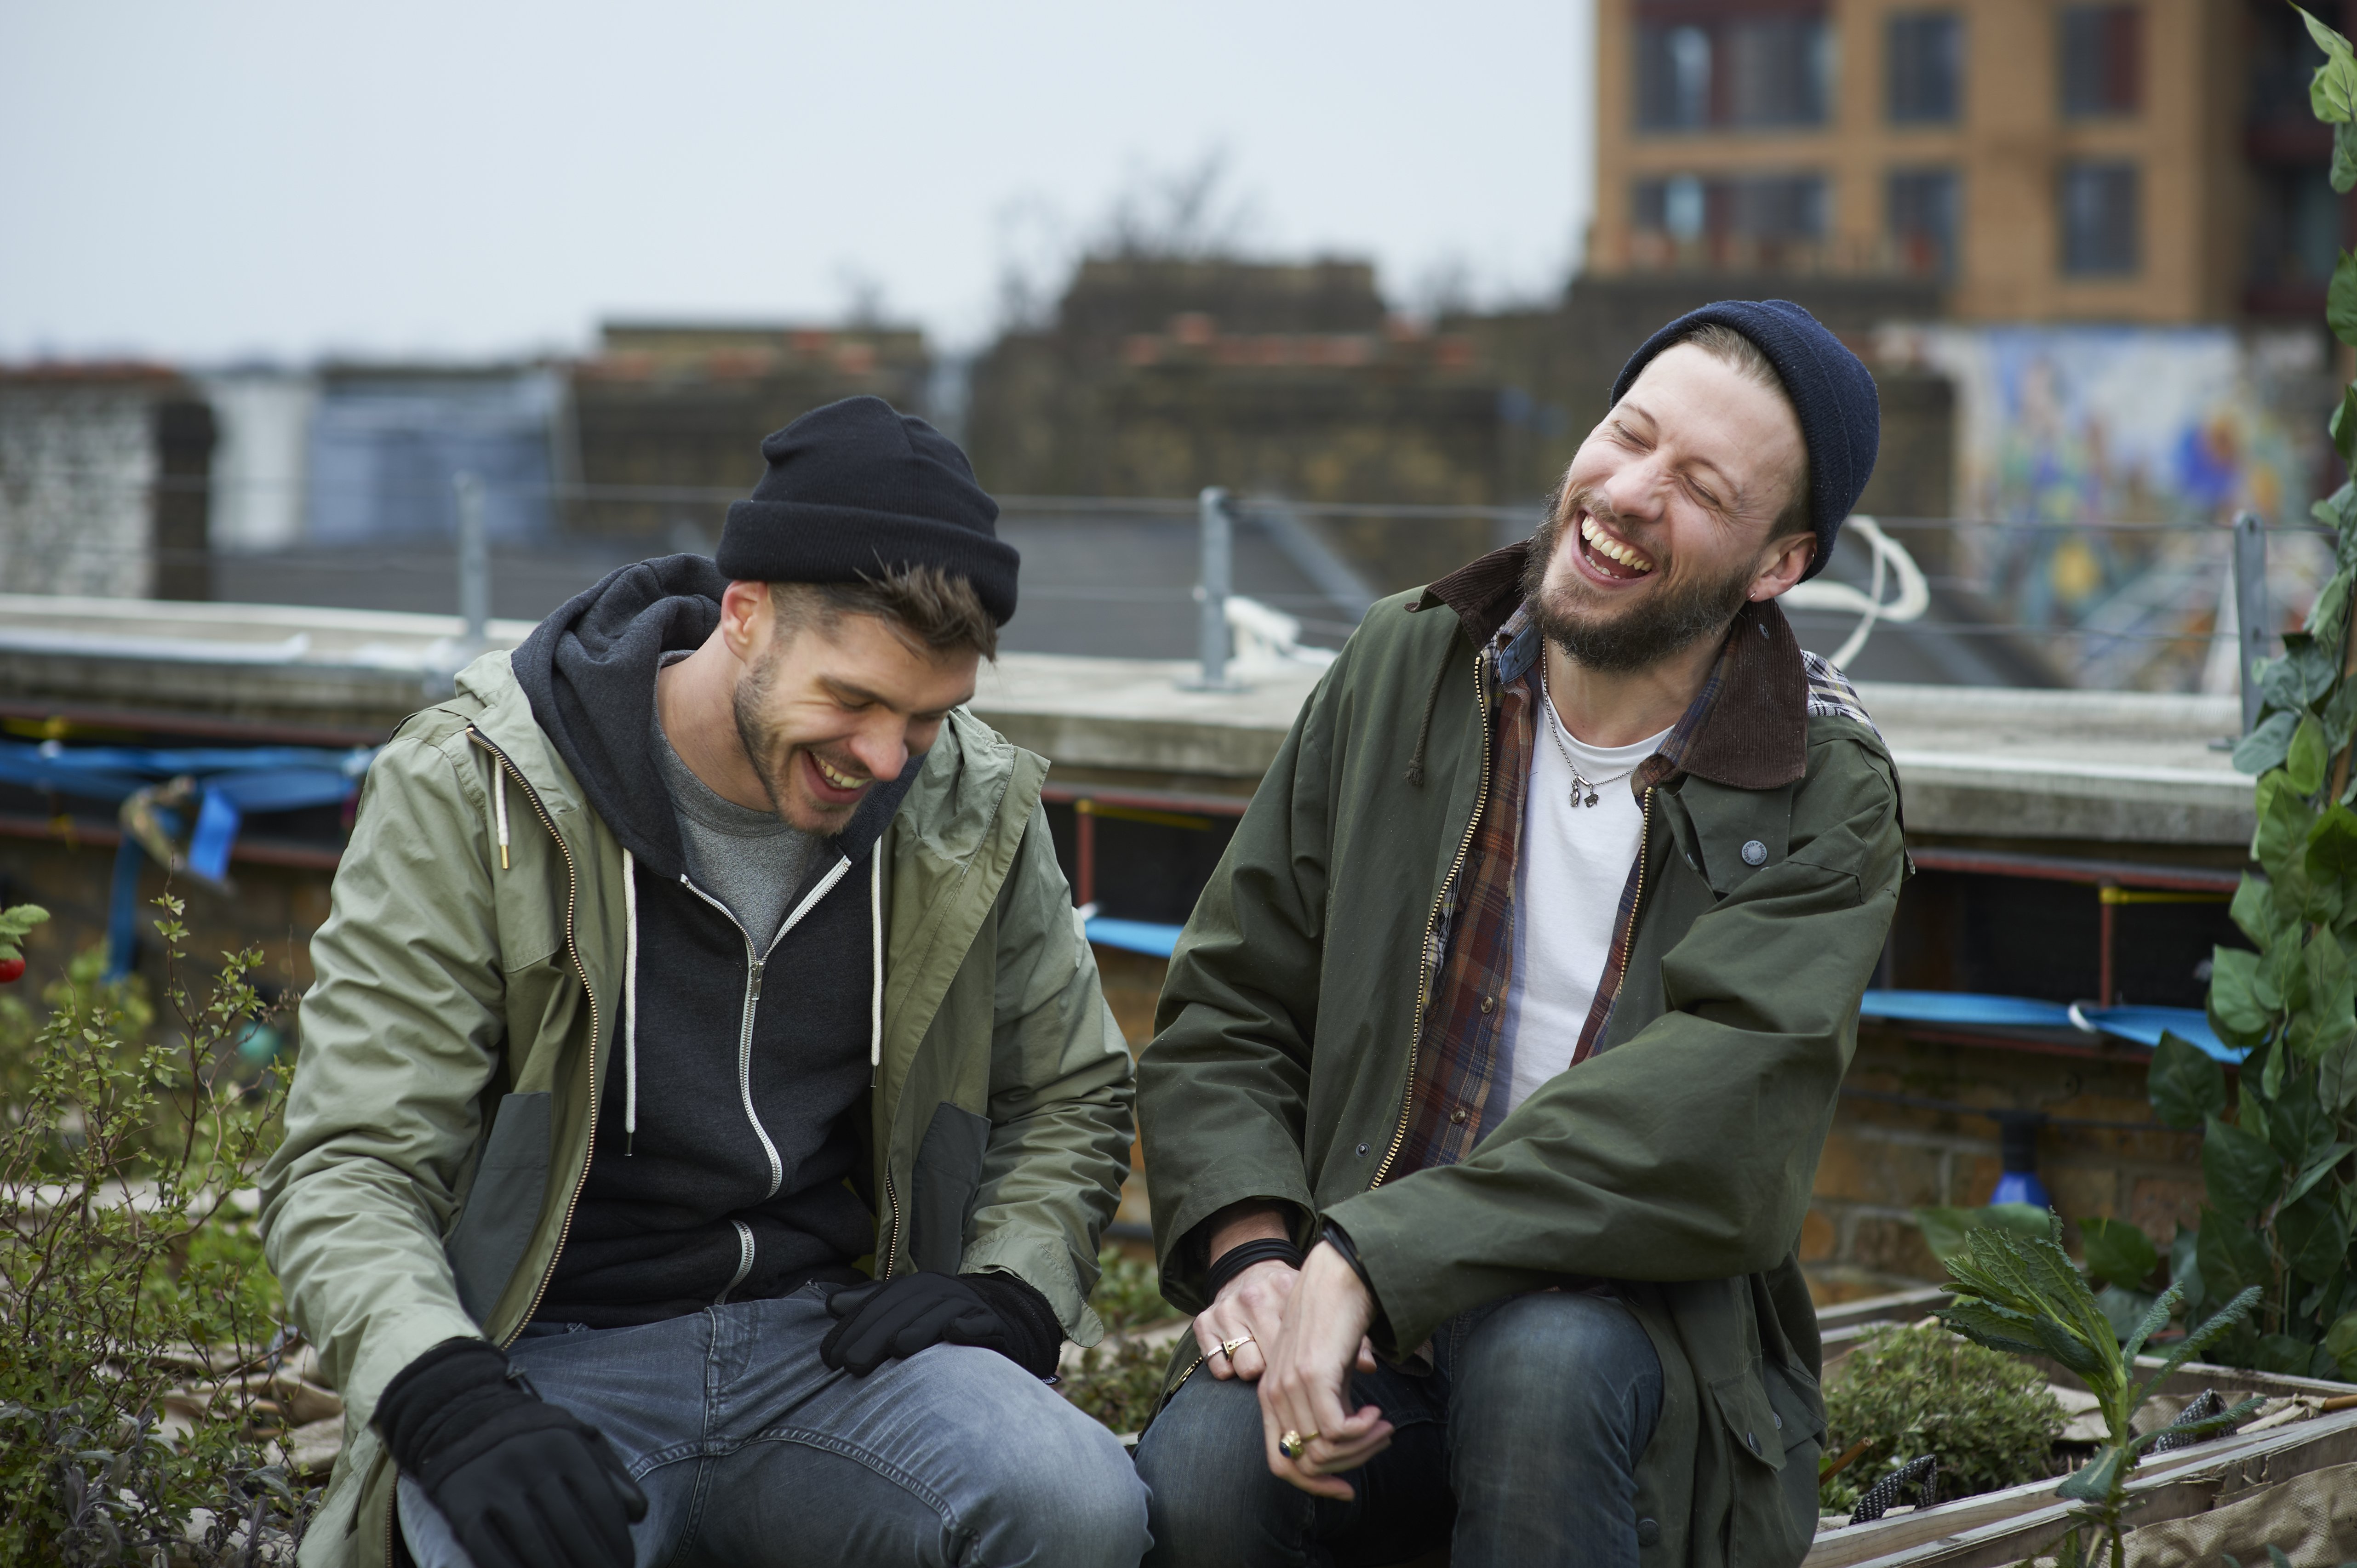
point(1573, 863)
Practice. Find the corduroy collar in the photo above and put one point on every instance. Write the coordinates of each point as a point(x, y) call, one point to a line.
point(1748, 726)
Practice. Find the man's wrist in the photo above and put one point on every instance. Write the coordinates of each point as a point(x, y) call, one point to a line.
point(1243, 1255)
point(1332, 1235)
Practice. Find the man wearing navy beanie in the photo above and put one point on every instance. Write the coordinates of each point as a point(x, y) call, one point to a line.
point(1493, 1068)
point(708, 1108)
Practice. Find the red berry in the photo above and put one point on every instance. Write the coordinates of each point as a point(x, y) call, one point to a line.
point(11, 971)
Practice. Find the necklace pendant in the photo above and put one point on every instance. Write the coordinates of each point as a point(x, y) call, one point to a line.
point(1591, 798)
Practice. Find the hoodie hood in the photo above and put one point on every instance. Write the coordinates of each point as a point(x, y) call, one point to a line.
point(588, 671)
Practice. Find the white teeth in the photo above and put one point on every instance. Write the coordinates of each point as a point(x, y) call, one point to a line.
point(1605, 545)
point(840, 780)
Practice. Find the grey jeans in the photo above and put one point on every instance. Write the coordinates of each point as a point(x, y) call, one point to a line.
point(1519, 1450)
point(753, 1454)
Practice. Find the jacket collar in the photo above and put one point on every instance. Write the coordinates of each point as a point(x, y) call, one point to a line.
point(1748, 726)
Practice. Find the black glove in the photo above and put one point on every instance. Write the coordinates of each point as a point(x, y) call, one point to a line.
point(882, 1320)
point(521, 1482)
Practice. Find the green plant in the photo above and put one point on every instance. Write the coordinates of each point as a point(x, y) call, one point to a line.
point(2025, 1297)
point(1988, 1418)
point(1128, 1293)
point(137, 1329)
point(2281, 1199)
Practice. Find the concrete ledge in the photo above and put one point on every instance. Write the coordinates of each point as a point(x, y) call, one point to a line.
point(1135, 714)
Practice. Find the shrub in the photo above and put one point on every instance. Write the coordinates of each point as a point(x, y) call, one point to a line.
point(137, 1332)
point(1990, 1419)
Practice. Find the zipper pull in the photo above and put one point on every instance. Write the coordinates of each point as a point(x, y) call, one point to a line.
point(757, 979)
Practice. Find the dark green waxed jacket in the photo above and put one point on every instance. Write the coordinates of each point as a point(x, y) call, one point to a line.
point(1676, 1160)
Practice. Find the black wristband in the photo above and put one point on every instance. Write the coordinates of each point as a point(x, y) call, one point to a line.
point(1243, 1255)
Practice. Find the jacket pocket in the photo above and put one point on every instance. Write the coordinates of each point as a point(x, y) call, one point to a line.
point(504, 1205)
point(1765, 1477)
point(943, 1191)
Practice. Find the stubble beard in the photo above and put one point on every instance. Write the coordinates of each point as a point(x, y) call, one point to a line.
point(755, 734)
point(1673, 618)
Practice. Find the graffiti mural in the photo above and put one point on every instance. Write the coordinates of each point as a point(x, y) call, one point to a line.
point(2099, 469)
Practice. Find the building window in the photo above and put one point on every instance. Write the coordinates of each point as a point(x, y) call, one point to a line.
point(1925, 66)
point(1922, 210)
point(1741, 73)
point(1758, 222)
point(2099, 204)
point(2102, 60)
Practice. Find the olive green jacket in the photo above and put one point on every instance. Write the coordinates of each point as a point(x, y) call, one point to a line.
point(1675, 1162)
point(456, 1039)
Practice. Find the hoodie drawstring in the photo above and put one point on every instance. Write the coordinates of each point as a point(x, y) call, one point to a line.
point(499, 806)
point(876, 965)
point(629, 1002)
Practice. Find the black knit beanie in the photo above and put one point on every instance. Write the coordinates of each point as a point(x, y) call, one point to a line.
point(858, 488)
point(1841, 417)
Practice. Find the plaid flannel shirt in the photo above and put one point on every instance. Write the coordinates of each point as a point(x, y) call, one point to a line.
point(1460, 1086)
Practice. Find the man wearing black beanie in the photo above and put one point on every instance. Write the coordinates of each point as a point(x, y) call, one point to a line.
point(1493, 1067)
point(707, 1109)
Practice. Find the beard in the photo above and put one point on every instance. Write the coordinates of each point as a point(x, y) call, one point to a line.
point(1678, 616)
point(756, 735)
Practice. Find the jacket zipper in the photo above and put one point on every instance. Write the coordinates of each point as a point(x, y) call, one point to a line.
point(1629, 933)
point(755, 962)
point(1428, 970)
point(597, 1029)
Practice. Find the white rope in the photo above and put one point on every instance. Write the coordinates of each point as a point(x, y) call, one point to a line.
point(1890, 557)
point(629, 1002)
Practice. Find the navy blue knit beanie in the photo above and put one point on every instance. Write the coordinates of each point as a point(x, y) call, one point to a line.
point(1841, 417)
point(857, 487)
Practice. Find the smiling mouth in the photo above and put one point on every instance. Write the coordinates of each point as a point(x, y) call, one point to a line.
point(835, 779)
point(1609, 555)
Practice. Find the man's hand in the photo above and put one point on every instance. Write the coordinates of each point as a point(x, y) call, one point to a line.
point(522, 1483)
point(1307, 1384)
point(1250, 1306)
point(885, 1320)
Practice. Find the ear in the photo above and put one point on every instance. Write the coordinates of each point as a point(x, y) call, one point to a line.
point(746, 622)
point(1785, 564)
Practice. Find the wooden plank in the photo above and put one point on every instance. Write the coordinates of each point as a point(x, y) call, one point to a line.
point(2001, 1528)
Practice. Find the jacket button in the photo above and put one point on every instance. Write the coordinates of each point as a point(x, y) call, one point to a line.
point(1754, 853)
point(1488, 1003)
point(1648, 1533)
point(1458, 1116)
point(1362, 1151)
point(1753, 1440)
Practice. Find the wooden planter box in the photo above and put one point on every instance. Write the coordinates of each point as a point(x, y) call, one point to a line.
point(1997, 1529)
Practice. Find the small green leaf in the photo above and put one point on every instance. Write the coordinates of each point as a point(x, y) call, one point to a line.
point(2341, 1339)
point(2239, 1168)
point(2264, 747)
point(2156, 1318)
point(2324, 620)
point(2332, 90)
point(2235, 1010)
point(2314, 1239)
point(2186, 1085)
point(2327, 1015)
point(2304, 759)
point(2340, 306)
point(2344, 173)
point(2118, 1252)
point(2252, 911)
point(2231, 1255)
point(2331, 862)
point(2279, 843)
point(2094, 1482)
point(1998, 1328)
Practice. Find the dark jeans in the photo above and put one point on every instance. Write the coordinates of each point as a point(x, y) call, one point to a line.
point(752, 1453)
point(1520, 1448)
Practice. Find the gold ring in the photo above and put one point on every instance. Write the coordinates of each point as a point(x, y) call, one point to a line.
point(1293, 1443)
point(1229, 1348)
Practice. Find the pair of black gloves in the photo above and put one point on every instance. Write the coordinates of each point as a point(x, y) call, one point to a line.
point(524, 1484)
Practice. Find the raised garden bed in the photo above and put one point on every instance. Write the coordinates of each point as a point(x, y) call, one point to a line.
point(2307, 1427)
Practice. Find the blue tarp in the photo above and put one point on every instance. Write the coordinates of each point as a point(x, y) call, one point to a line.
point(231, 783)
point(1133, 936)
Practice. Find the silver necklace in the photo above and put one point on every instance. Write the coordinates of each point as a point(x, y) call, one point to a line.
point(1583, 790)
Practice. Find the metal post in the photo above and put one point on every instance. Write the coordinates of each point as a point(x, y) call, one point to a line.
point(1217, 581)
point(2253, 625)
point(474, 562)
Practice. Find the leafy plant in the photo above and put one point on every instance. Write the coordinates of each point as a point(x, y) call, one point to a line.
point(137, 1332)
point(2281, 1197)
point(1988, 1418)
point(2024, 1295)
point(1117, 1382)
point(1129, 1293)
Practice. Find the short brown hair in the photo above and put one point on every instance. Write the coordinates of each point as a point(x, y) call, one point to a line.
point(927, 606)
point(1742, 356)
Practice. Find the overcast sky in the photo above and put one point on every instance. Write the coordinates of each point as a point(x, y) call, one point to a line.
point(233, 178)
